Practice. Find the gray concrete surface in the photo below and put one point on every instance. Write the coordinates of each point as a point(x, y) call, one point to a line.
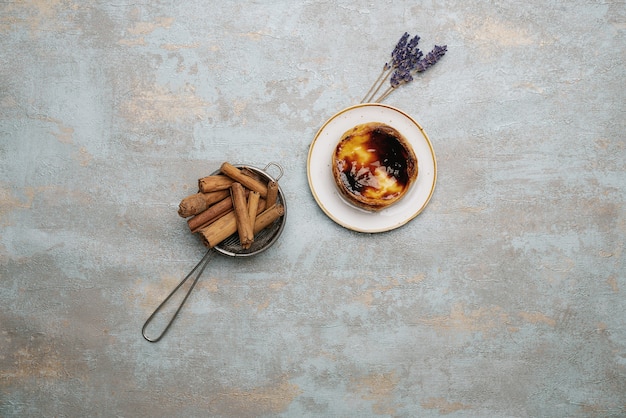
point(504, 298)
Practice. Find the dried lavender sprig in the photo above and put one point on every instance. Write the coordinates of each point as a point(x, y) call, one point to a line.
point(404, 74)
point(403, 50)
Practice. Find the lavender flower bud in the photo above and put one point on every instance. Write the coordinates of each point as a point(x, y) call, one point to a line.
point(396, 55)
point(431, 58)
point(402, 74)
point(413, 42)
point(395, 79)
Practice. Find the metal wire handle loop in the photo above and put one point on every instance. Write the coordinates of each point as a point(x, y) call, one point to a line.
point(201, 265)
point(278, 166)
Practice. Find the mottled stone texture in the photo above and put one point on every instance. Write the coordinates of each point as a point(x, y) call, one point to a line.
point(504, 298)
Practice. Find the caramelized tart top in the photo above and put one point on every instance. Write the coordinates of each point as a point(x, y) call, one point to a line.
point(374, 165)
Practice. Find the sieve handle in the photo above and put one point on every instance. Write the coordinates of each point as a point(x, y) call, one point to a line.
point(200, 268)
point(278, 166)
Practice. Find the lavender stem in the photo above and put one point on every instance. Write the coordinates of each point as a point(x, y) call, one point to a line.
point(386, 93)
point(371, 91)
point(380, 84)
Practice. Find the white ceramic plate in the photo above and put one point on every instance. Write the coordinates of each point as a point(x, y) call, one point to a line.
point(322, 183)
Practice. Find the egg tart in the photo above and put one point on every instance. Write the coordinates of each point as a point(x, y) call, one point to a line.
point(373, 166)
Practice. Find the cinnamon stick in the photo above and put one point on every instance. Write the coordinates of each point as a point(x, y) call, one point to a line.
point(249, 182)
point(272, 192)
point(214, 183)
point(223, 227)
point(211, 214)
point(253, 204)
point(199, 202)
point(240, 206)
point(247, 172)
point(268, 216)
point(219, 230)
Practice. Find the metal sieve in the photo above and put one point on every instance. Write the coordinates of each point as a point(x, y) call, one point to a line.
point(230, 247)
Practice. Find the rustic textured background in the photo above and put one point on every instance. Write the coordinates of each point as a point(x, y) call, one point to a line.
point(505, 297)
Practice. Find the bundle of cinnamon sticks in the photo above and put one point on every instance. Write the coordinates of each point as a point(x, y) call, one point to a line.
point(232, 201)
